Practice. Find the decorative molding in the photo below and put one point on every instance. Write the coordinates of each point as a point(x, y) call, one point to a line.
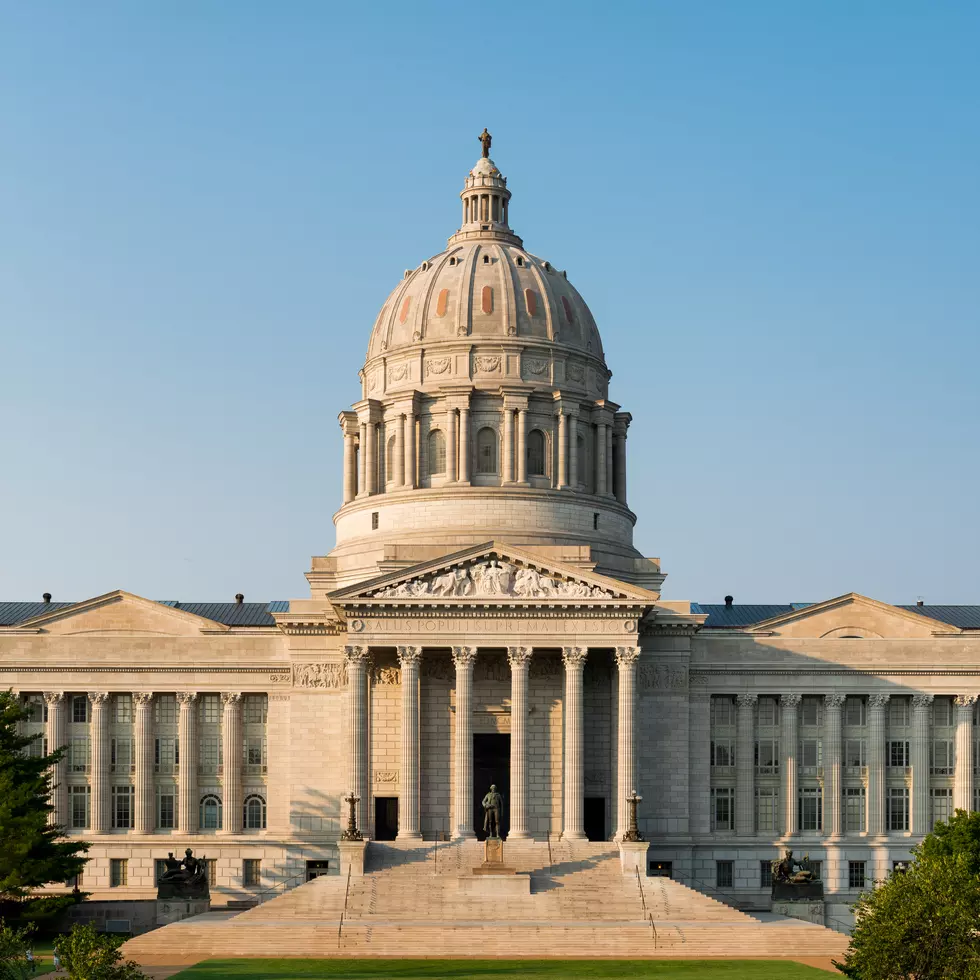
point(356, 656)
point(920, 701)
point(878, 700)
point(186, 698)
point(143, 698)
point(965, 700)
point(544, 667)
point(230, 698)
point(98, 697)
point(574, 657)
point(386, 776)
point(464, 657)
point(391, 676)
point(51, 698)
point(790, 700)
point(397, 372)
point(327, 676)
point(536, 366)
point(492, 667)
point(409, 656)
point(663, 677)
point(627, 657)
point(440, 668)
point(9, 668)
point(487, 363)
point(575, 371)
point(519, 657)
point(747, 700)
point(835, 701)
point(437, 365)
point(596, 777)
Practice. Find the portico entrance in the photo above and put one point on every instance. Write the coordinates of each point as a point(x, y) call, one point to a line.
point(491, 765)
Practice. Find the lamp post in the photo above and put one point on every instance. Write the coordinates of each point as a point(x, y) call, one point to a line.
point(352, 833)
point(633, 833)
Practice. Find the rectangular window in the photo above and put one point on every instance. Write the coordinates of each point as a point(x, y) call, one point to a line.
point(79, 806)
point(122, 807)
point(941, 758)
point(897, 754)
point(856, 711)
point(722, 808)
point(767, 756)
point(856, 876)
point(855, 753)
point(810, 815)
point(122, 709)
point(209, 708)
point(810, 754)
point(942, 805)
point(210, 757)
point(855, 810)
point(766, 809)
point(723, 711)
point(724, 874)
point(255, 761)
point(811, 710)
point(256, 709)
point(212, 864)
point(166, 755)
point(897, 809)
point(723, 753)
point(817, 868)
point(942, 712)
point(35, 707)
point(79, 709)
point(166, 808)
point(121, 754)
point(251, 872)
point(765, 874)
point(118, 872)
point(159, 869)
point(79, 754)
point(768, 712)
point(898, 712)
point(165, 709)
point(37, 748)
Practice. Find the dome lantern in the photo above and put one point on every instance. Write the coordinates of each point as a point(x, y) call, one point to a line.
point(485, 202)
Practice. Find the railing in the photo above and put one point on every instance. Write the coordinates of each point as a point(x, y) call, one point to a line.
point(653, 931)
point(340, 925)
point(639, 884)
point(280, 887)
point(551, 860)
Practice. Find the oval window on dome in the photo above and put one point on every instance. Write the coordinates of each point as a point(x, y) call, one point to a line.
point(406, 303)
point(487, 299)
point(568, 309)
point(442, 302)
point(531, 302)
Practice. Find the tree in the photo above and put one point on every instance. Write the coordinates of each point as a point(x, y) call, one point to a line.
point(90, 955)
point(922, 923)
point(14, 944)
point(32, 851)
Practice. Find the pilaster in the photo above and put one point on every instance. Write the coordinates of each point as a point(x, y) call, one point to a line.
point(57, 738)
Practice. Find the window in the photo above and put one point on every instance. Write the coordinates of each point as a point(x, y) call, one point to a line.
point(79, 754)
point(390, 460)
point(767, 756)
point(723, 711)
point(256, 709)
point(211, 812)
point(121, 754)
point(942, 712)
point(212, 872)
point(810, 754)
point(122, 807)
point(855, 810)
point(375, 520)
point(165, 709)
point(595, 521)
point(118, 872)
point(724, 874)
point(251, 872)
point(209, 762)
point(942, 805)
point(723, 753)
point(856, 711)
point(722, 808)
point(437, 452)
point(810, 816)
point(898, 712)
point(79, 807)
point(855, 753)
point(122, 709)
point(36, 709)
point(816, 867)
point(210, 709)
point(535, 453)
point(159, 869)
point(897, 755)
point(166, 755)
point(254, 815)
point(37, 747)
point(856, 876)
point(765, 874)
point(255, 754)
point(941, 758)
point(811, 710)
point(486, 450)
point(79, 709)
point(768, 712)
point(897, 809)
point(166, 808)
point(766, 809)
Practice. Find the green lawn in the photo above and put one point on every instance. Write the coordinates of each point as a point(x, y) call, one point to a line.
point(364, 969)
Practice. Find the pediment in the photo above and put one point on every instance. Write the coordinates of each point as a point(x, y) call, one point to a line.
point(852, 615)
point(120, 612)
point(492, 574)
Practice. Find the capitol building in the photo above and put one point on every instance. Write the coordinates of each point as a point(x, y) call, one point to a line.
point(485, 618)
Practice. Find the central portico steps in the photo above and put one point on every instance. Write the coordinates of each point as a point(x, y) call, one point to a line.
point(409, 904)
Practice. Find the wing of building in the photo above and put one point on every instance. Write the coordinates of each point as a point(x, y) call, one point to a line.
point(485, 618)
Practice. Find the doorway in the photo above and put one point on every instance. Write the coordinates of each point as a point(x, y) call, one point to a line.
point(316, 869)
point(385, 817)
point(491, 766)
point(595, 817)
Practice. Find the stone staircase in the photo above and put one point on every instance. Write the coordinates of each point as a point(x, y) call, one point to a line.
point(409, 903)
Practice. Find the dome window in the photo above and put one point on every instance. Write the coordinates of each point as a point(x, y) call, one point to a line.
point(453, 260)
point(535, 453)
point(406, 303)
point(569, 316)
point(547, 267)
point(424, 267)
point(487, 299)
point(531, 302)
point(436, 446)
point(520, 261)
point(442, 302)
point(486, 451)
point(486, 259)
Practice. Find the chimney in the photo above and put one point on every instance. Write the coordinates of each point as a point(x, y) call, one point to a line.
point(239, 599)
point(46, 597)
point(920, 602)
point(728, 601)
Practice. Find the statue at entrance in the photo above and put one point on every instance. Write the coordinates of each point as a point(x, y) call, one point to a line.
point(492, 804)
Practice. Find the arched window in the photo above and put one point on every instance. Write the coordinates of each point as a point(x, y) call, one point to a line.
point(254, 813)
point(437, 452)
point(486, 451)
point(535, 453)
point(211, 812)
point(390, 459)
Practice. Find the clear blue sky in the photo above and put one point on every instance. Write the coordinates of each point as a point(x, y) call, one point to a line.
point(772, 209)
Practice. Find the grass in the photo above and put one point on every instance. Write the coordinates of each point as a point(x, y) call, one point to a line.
point(364, 969)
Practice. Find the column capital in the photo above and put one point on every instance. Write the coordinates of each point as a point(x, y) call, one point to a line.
point(98, 697)
point(464, 657)
point(356, 656)
point(142, 698)
point(409, 656)
point(230, 697)
point(920, 701)
point(747, 700)
point(185, 698)
point(835, 701)
point(790, 700)
point(965, 700)
point(574, 656)
point(519, 657)
point(878, 700)
point(51, 698)
point(627, 656)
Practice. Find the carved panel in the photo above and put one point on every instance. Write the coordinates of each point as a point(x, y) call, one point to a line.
point(328, 676)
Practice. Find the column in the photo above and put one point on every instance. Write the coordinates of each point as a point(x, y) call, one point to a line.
point(877, 705)
point(464, 444)
point(522, 445)
point(562, 480)
point(371, 463)
point(600, 458)
point(574, 800)
point(789, 706)
point(410, 474)
point(357, 660)
point(609, 460)
point(144, 821)
point(963, 776)
point(408, 803)
point(349, 476)
point(362, 462)
point(619, 464)
point(508, 445)
point(463, 658)
point(626, 658)
point(57, 739)
point(833, 706)
point(919, 752)
point(399, 473)
point(187, 770)
point(745, 766)
point(519, 658)
point(231, 762)
point(451, 445)
point(99, 732)
point(572, 452)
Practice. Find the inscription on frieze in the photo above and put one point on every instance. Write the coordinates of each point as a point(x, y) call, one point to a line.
point(661, 677)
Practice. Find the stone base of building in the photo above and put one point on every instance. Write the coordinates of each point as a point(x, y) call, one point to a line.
point(173, 910)
point(809, 911)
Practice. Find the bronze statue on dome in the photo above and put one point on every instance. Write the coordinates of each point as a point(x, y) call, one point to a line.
point(486, 139)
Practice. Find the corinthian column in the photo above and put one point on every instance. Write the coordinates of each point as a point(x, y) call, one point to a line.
point(100, 762)
point(451, 470)
point(877, 704)
point(356, 659)
point(408, 807)
point(572, 452)
point(464, 444)
point(745, 766)
point(963, 779)
point(508, 467)
point(463, 658)
point(231, 762)
point(187, 769)
point(57, 737)
point(143, 822)
point(574, 818)
point(562, 479)
point(833, 705)
point(600, 458)
point(626, 658)
point(520, 658)
point(789, 706)
point(522, 445)
point(350, 477)
point(919, 751)
point(399, 453)
point(410, 475)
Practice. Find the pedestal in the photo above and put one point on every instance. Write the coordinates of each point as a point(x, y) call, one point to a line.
point(173, 910)
point(809, 911)
point(633, 856)
point(352, 857)
point(493, 859)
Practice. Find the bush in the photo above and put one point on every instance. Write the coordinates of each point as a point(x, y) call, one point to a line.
point(90, 955)
point(14, 944)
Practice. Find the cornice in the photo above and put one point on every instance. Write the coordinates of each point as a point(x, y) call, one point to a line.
point(838, 671)
point(10, 668)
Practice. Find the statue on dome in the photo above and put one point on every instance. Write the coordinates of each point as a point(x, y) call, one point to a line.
point(486, 139)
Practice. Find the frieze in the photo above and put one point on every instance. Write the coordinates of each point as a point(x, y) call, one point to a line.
point(438, 669)
point(421, 625)
point(488, 364)
point(544, 666)
point(386, 675)
point(325, 676)
point(437, 365)
point(397, 372)
point(662, 677)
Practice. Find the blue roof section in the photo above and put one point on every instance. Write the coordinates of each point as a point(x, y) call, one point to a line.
point(722, 617)
point(963, 617)
point(226, 613)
